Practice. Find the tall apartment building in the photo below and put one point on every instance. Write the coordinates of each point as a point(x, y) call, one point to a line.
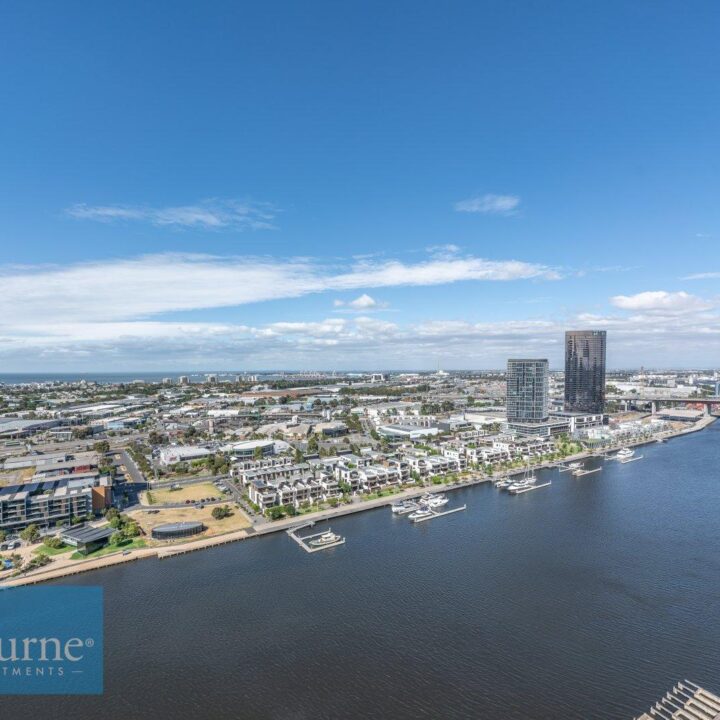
point(527, 390)
point(585, 370)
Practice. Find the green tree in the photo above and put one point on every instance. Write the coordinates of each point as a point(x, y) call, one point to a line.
point(3, 535)
point(130, 530)
point(102, 447)
point(220, 513)
point(116, 538)
point(52, 541)
point(31, 533)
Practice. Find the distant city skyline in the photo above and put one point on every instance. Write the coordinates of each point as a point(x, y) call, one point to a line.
point(357, 201)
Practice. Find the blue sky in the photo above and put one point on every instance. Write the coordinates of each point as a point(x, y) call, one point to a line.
point(357, 185)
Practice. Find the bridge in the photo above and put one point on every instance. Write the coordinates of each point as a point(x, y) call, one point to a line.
point(656, 402)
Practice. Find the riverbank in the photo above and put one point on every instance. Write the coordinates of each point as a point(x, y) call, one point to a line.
point(268, 527)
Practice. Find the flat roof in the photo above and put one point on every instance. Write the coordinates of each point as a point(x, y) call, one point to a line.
point(86, 534)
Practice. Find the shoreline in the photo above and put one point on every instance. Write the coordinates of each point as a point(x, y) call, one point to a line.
point(267, 528)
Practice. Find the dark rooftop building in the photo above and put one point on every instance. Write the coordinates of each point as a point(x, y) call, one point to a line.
point(87, 539)
point(585, 371)
point(173, 531)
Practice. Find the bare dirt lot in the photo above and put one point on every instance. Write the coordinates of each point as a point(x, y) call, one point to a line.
point(149, 520)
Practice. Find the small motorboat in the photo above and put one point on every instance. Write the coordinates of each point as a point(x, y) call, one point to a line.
point(327, 538)
point(421, 513)
point(625, 454)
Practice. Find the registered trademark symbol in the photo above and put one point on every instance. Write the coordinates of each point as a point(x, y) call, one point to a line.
point(89, 642)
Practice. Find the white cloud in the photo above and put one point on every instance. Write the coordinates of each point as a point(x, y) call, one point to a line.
point(660, 301)
point(138, 288)
point(703, 276)
point(364, 302)
point(361, 342)
point(210, 214)
point(489, 204)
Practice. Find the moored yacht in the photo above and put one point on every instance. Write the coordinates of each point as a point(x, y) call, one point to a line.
point(625, 453)
point(403, 506)
point(435, 501)
point(326, 538)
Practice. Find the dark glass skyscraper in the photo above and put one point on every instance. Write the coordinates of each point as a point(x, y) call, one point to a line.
point(527, 390)
point(585, 370)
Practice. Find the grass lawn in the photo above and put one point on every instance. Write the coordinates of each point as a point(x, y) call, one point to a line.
point(134, 545)
point(200, 491)
point(45, 550)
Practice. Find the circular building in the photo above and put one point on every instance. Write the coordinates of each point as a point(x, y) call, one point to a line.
point(173, 531)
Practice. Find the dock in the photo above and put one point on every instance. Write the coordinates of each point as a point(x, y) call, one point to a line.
point(529, 488)
point(436, 514)
point(304, 540)
point(632, 459)
point(581, 473)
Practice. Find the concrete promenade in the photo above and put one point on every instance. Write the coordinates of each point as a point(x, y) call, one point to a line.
point(266, 527)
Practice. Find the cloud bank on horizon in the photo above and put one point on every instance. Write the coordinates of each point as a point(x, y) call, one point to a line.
point(140, 312)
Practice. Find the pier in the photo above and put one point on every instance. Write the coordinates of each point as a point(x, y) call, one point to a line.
point(436, 514)
point(565, 468)
point(631, 459)
point(581, 473)
point(529, 488)
point(304, 540)
point(686, 700)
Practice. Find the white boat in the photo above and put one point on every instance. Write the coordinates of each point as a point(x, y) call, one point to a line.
point(436, 501)
point(575, 465)
point(326, 538)
point(625, 453)
point(421, 513)
point(520, 485)
point(502, 483)
point(401, 506)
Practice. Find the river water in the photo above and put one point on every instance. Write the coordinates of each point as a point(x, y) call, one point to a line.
point(585, 599)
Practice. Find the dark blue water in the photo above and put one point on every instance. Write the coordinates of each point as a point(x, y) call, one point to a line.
point(586, 599)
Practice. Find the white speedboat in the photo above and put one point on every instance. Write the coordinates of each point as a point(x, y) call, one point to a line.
point(436, 501)
point(575, 465)
point(398, 507)
point(421, 513)
point(326, 538)
point(625, 454)
point(502, 483)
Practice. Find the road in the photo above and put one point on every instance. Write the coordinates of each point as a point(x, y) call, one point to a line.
point(132, 469)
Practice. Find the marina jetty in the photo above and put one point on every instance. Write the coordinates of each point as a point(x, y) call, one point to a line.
point(686, 701)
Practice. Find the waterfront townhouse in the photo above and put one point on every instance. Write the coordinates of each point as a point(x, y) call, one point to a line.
point(457, 454)
point(377, 477)
point(273, 473)
point(295, 491)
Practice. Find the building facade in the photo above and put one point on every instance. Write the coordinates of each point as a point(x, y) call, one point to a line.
point(527, 390)
point(585, 371)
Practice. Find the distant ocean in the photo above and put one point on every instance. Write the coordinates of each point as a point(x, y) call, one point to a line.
point(103, 378)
